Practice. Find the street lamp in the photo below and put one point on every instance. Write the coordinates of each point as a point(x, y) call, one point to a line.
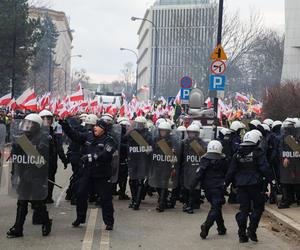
point(137, 70)
point(155, 53)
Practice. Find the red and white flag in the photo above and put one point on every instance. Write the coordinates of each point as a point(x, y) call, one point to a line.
point(5, 100)
point(241, 98)
point(27, 96)
point(78, 95)
point(30, 105)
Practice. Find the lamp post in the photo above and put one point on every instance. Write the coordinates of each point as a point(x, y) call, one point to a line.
point(65, 69)
point(137, 70)
point(155, 53)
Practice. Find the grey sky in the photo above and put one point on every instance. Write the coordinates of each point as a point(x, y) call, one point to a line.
point(103, 26)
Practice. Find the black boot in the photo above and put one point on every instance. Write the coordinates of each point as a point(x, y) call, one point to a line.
point(77, 222)
point(17, 229)
point(243, 236)
point(204, 230)
point(251, 233)
point(36, 220)
point(221, 227)
point(46, 228)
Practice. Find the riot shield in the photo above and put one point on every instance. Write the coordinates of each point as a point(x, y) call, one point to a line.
point(116, 133)
point(164, 171)
point(139, 154)
point(193, 150)
point(28, 162)
point(290, 173)
point(2, 145)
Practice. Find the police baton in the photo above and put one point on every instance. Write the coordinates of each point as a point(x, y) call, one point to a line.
point(52, 182)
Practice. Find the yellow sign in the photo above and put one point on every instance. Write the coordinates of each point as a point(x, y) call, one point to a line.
point(219, 54)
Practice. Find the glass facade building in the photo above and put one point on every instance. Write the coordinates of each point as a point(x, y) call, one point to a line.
point(186, 37)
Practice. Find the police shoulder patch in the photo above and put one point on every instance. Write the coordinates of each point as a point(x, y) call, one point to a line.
point(108, 148)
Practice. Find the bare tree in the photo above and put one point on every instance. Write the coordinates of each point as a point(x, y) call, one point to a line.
point(128, 74)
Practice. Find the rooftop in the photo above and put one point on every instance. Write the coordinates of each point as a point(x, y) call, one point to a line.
point(183, 2)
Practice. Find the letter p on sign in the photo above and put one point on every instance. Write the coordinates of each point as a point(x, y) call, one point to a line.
point(217, 82)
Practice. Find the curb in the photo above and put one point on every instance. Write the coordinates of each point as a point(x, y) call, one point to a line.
point(285, 220)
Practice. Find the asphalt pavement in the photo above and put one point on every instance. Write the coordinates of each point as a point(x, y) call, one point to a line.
point(142, 230)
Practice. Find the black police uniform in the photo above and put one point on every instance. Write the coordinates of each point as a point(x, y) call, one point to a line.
point(31, 179)
point(211, 174)
point(95, 170)
point(247, 169)
point(123, 168)
point(56, 149)
point(74, 155)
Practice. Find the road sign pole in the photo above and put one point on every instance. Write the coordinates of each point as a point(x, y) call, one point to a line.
point(219, 41)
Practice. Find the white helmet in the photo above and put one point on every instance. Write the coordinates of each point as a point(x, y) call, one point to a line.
point(120, 119)
point(225, 131)
point(258, 133)
point(214, 147)
point(159, 121)
point(297, 124)
point(251, 138)
point(141, 119)
point(91, 119)
point(164, 126)
point(269, 122)
point(288, 122)
point(276, 123)
point(108, 118)
point(266, 127)
point(193, 128)
point(45, 112)
point(198, 123)
point(82, 116)
point(34, 118)
point(255, 123)
point(236, 125)
point(150, 124)
point(125, 122)
point(181, 129)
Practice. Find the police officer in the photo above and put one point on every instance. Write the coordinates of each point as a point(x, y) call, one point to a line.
point(253, 124)
point(139, 159)
point(211, 174)
point(97, 151)
point(73, 154)
point(32, 180)
point(193, 149)
point(235, 139)
point(274, 156)
point(289, 178)
point(123, 168)
point(56, 149)
point(247, 169)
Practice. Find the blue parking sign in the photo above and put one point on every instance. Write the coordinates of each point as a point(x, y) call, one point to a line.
point(217, 82)
point(185, 95)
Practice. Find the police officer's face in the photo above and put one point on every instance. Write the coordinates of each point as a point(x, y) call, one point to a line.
point(163, 133)
point(98, 131)
point(47, 120)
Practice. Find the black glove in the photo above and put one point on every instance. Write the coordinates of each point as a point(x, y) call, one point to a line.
point(65, 165)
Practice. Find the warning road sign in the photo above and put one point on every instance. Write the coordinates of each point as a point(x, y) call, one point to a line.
point(218, 67)
point(219, 54)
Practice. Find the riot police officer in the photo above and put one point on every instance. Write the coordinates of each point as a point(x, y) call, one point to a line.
point(235, 139)
point(56, 149)
point(247, 169)
point(30, 158)
point(139, 153)
point(289, 167)
point(165, 165)
point(211, 174)
point(96, 170)
point(123, 168)
point(193, 149)
point(253, 124)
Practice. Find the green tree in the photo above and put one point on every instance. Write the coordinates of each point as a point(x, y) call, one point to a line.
point(18, 38)
point(43, 63)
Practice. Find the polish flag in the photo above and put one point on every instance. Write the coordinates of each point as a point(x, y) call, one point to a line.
point(27, 96)
point(45, 100)
point(63, 113)
point(30, 105)
point(78, 95)
point(177, 98)
point(241, 98)
point(5, 100)
point(209, 103)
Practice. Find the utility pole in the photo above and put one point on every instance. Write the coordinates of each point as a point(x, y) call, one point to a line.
point(50, 70)
point(219, 41)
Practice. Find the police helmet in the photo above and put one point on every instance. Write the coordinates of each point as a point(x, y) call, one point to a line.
point(164, 126)
point(214, 147)
point(108, 118)
point(45, 113)
point(31, 123)
point(276, 123)
point(269, 122)
point(193, 128)
point(159, 121)
point(181, 129)
point(91, 119)
point(236, 125)
point(251, 138)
